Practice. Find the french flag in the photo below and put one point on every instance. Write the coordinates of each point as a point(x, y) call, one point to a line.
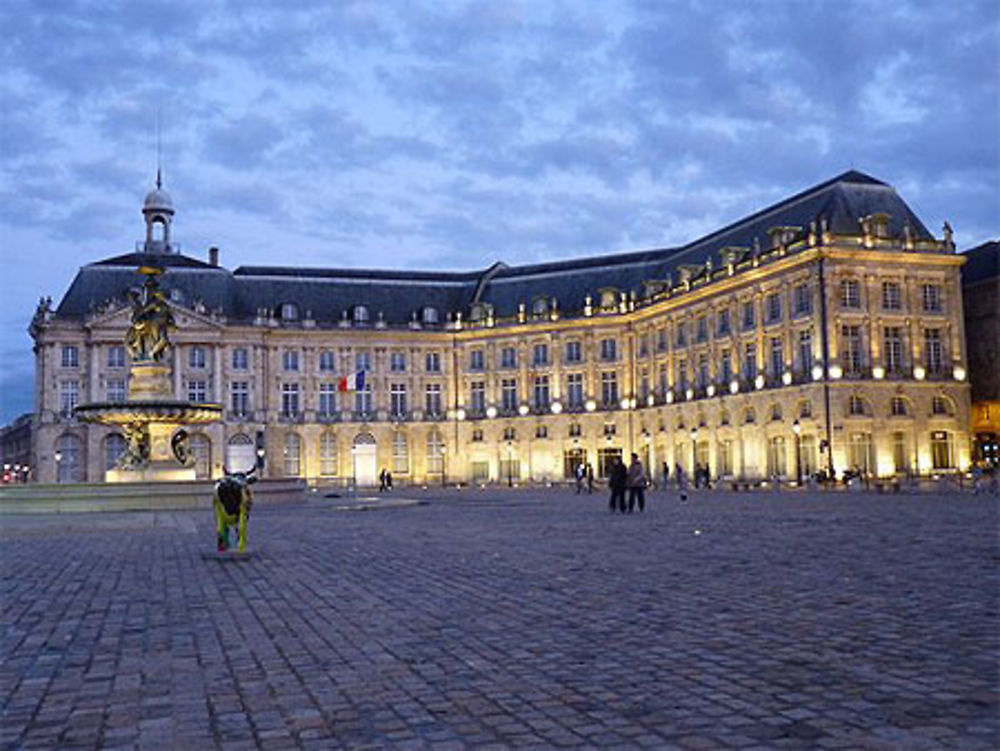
point(353, 382)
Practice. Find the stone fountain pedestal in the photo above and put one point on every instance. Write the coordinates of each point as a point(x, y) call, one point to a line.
point(150, 420)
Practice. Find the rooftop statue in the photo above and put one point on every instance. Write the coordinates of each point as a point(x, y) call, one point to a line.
point(147, 338)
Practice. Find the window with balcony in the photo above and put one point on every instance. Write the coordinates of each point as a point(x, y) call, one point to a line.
point(804, 356)
point(750, 362)
point(327, 400)
point(574, 390)
point(477, 397)
point(508, 395)
point(239, 398)
point(397, 400)
point(609, 389)
point(432, 399)
point(541, 392)
point(363, 406)
point(933, 351)
point(852, 358)
point(289, 400)
point(892, 349)
point(726, 366)
point(777, 357)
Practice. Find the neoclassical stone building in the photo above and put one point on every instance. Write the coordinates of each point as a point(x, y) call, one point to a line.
point(822, 333)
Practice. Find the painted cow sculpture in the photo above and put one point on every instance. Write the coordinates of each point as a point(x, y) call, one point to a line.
point(232, 502)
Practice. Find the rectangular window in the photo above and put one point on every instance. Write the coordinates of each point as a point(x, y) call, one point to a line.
point(363, 360)
point(892, 298)
point(397, 400)
point(661, 340)
point(116, 357)
point(701, 329)
point(803, 300)
point(508, 357)
point(508, 395)
point(861, 453)
point(749, 315)
point(773, 307)
point(239, 398)
point(290, 400)
point(900, 456)
point(850, 294)
point(933, 352)
point(197, 391)
point(70, 356)
point(432, 399)
point(643, 388)
point(777, 457)
point(116, 390)
point(726, 366)
point(724, 458)
point(609, 350)
point(328, 464)
point(433, 362)
point(573, 352)
point(722, 320)
point(777, 357)
point(892, 349)
point(942, 450)
point(643, 345)
point(750, 362)
point(327, 399)
point(609, 388)
point(682, 375)
point(540, 354)
point(574, 390)
point(397, 362)
point(241, 359)
point(897, 406)
point(290, 360)
point(327, 361)
point(681, 334)
point(477, 359)
point(851, 354)
point(477, 397)
point(804, 355)
point(196, 357)
point(932, 298)
point(363, 400)
point(541, 390)
point(702, 371)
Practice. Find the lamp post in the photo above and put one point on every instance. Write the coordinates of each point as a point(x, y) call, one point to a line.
point(510, 462)
point(58, 458)
point(260, 457)
point(797, 429)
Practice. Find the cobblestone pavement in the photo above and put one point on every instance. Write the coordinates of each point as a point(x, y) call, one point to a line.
point(510, 619)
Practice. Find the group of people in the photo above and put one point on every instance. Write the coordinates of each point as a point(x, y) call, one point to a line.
point(633, 479)
point(384, 481)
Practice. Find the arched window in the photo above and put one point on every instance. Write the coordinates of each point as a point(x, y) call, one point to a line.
point(430, 315)
point(750, 416)
point(69, 458)
point(941, 405)
point(609, 298)
point(329, 466)
point(360, 314)
point(114, 447)
point(201, 449)
point(241, 455)
point(292, 455)
point(400, 453)
point(435, 452)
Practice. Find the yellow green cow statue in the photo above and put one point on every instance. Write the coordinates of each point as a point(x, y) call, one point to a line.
point(232, 502)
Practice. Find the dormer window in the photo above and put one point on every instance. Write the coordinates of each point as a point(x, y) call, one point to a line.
point(430, 315)
point(540, 307)
point(360, 314)
point(609, 299)
point(480, 311)
point(289, 311)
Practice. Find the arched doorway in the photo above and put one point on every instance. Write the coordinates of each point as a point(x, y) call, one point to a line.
point(241, 456)
point(69, 458)
point(365, 463)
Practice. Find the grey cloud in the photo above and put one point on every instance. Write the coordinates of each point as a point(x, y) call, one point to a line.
point(243, 143)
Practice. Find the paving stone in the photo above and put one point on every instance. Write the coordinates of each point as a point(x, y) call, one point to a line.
point(510, 619)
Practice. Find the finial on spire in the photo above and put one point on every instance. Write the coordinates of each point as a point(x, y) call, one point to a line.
point(159, 180)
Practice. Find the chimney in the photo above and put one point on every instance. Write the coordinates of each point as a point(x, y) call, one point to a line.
point(213, 256)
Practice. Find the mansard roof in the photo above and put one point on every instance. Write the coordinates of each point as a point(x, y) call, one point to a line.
point(397, 294)
point(981, 263)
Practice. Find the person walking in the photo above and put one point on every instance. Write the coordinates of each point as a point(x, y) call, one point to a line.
point(617, 481)
point(636, 481)
point(590, 478)
point(681, 479)
point(666, 476)
point(381, 481)
point(579, 472)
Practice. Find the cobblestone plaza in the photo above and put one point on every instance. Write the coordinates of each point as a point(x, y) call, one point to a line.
point(510, 619)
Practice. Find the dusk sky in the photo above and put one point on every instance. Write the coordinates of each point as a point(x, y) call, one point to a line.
point(450, 135)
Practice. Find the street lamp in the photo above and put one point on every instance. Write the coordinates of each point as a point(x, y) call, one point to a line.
point(694, 454)
point(797, 429)
point(58, 458)
point(510, 462)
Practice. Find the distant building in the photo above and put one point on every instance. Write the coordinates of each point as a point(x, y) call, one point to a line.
point(824, 332)
point(15, 450)
point(981, 290)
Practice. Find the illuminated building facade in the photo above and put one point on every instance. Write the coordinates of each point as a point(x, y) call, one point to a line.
point(981, 291)
point(824, 332)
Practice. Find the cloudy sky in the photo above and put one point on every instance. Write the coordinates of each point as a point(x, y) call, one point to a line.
point(448, 135)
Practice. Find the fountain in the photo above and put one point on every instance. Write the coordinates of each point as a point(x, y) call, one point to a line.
point(151, 419)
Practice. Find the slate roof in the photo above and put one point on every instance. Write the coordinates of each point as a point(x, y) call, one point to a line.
point(982, 263)
point(326, 293)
